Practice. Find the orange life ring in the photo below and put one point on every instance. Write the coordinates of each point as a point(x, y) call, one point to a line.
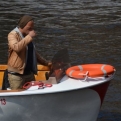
point(91, 70)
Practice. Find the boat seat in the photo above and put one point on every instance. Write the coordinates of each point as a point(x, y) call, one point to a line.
point(40, 74)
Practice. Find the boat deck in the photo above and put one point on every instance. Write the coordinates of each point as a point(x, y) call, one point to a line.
point(66, 84)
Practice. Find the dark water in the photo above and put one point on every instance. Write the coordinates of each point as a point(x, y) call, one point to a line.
point(90, 29)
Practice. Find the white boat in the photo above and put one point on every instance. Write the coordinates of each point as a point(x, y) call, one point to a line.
point(70, 100)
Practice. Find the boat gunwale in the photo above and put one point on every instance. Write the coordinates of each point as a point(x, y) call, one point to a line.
point(23, 92)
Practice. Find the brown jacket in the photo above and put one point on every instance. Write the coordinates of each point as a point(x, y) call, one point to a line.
point(17, 52)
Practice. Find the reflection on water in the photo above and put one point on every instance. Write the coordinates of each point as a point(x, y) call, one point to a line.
point(90, 29)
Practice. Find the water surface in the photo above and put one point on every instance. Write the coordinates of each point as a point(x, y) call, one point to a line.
point(90, 29)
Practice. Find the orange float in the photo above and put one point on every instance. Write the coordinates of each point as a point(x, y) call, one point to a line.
point(90, 70)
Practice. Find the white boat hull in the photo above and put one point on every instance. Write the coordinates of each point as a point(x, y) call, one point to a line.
point(57, 103)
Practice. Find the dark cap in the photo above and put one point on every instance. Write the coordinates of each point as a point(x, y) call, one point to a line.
point(24, 20)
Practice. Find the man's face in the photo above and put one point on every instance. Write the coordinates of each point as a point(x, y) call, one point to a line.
point(29, 27)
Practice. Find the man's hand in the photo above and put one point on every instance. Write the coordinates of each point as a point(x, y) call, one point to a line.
point(32, 33)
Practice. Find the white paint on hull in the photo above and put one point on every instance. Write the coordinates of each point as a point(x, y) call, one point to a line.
point(77, 105)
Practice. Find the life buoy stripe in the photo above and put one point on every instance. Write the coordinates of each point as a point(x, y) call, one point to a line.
point(103, 70)
point(70, 73)
point(80, 67)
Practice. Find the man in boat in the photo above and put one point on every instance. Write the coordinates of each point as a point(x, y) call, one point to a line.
point(22, 55)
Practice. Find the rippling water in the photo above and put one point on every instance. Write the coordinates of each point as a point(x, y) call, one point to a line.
point(90, 29)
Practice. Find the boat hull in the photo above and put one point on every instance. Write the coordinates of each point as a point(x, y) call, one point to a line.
point(74, 105)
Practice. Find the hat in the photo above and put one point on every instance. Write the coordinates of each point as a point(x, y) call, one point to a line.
point(24, 20)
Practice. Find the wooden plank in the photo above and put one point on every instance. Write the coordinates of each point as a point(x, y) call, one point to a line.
point(3, 67)
point(41, 76)
point(40, 67)
point(1, 78)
